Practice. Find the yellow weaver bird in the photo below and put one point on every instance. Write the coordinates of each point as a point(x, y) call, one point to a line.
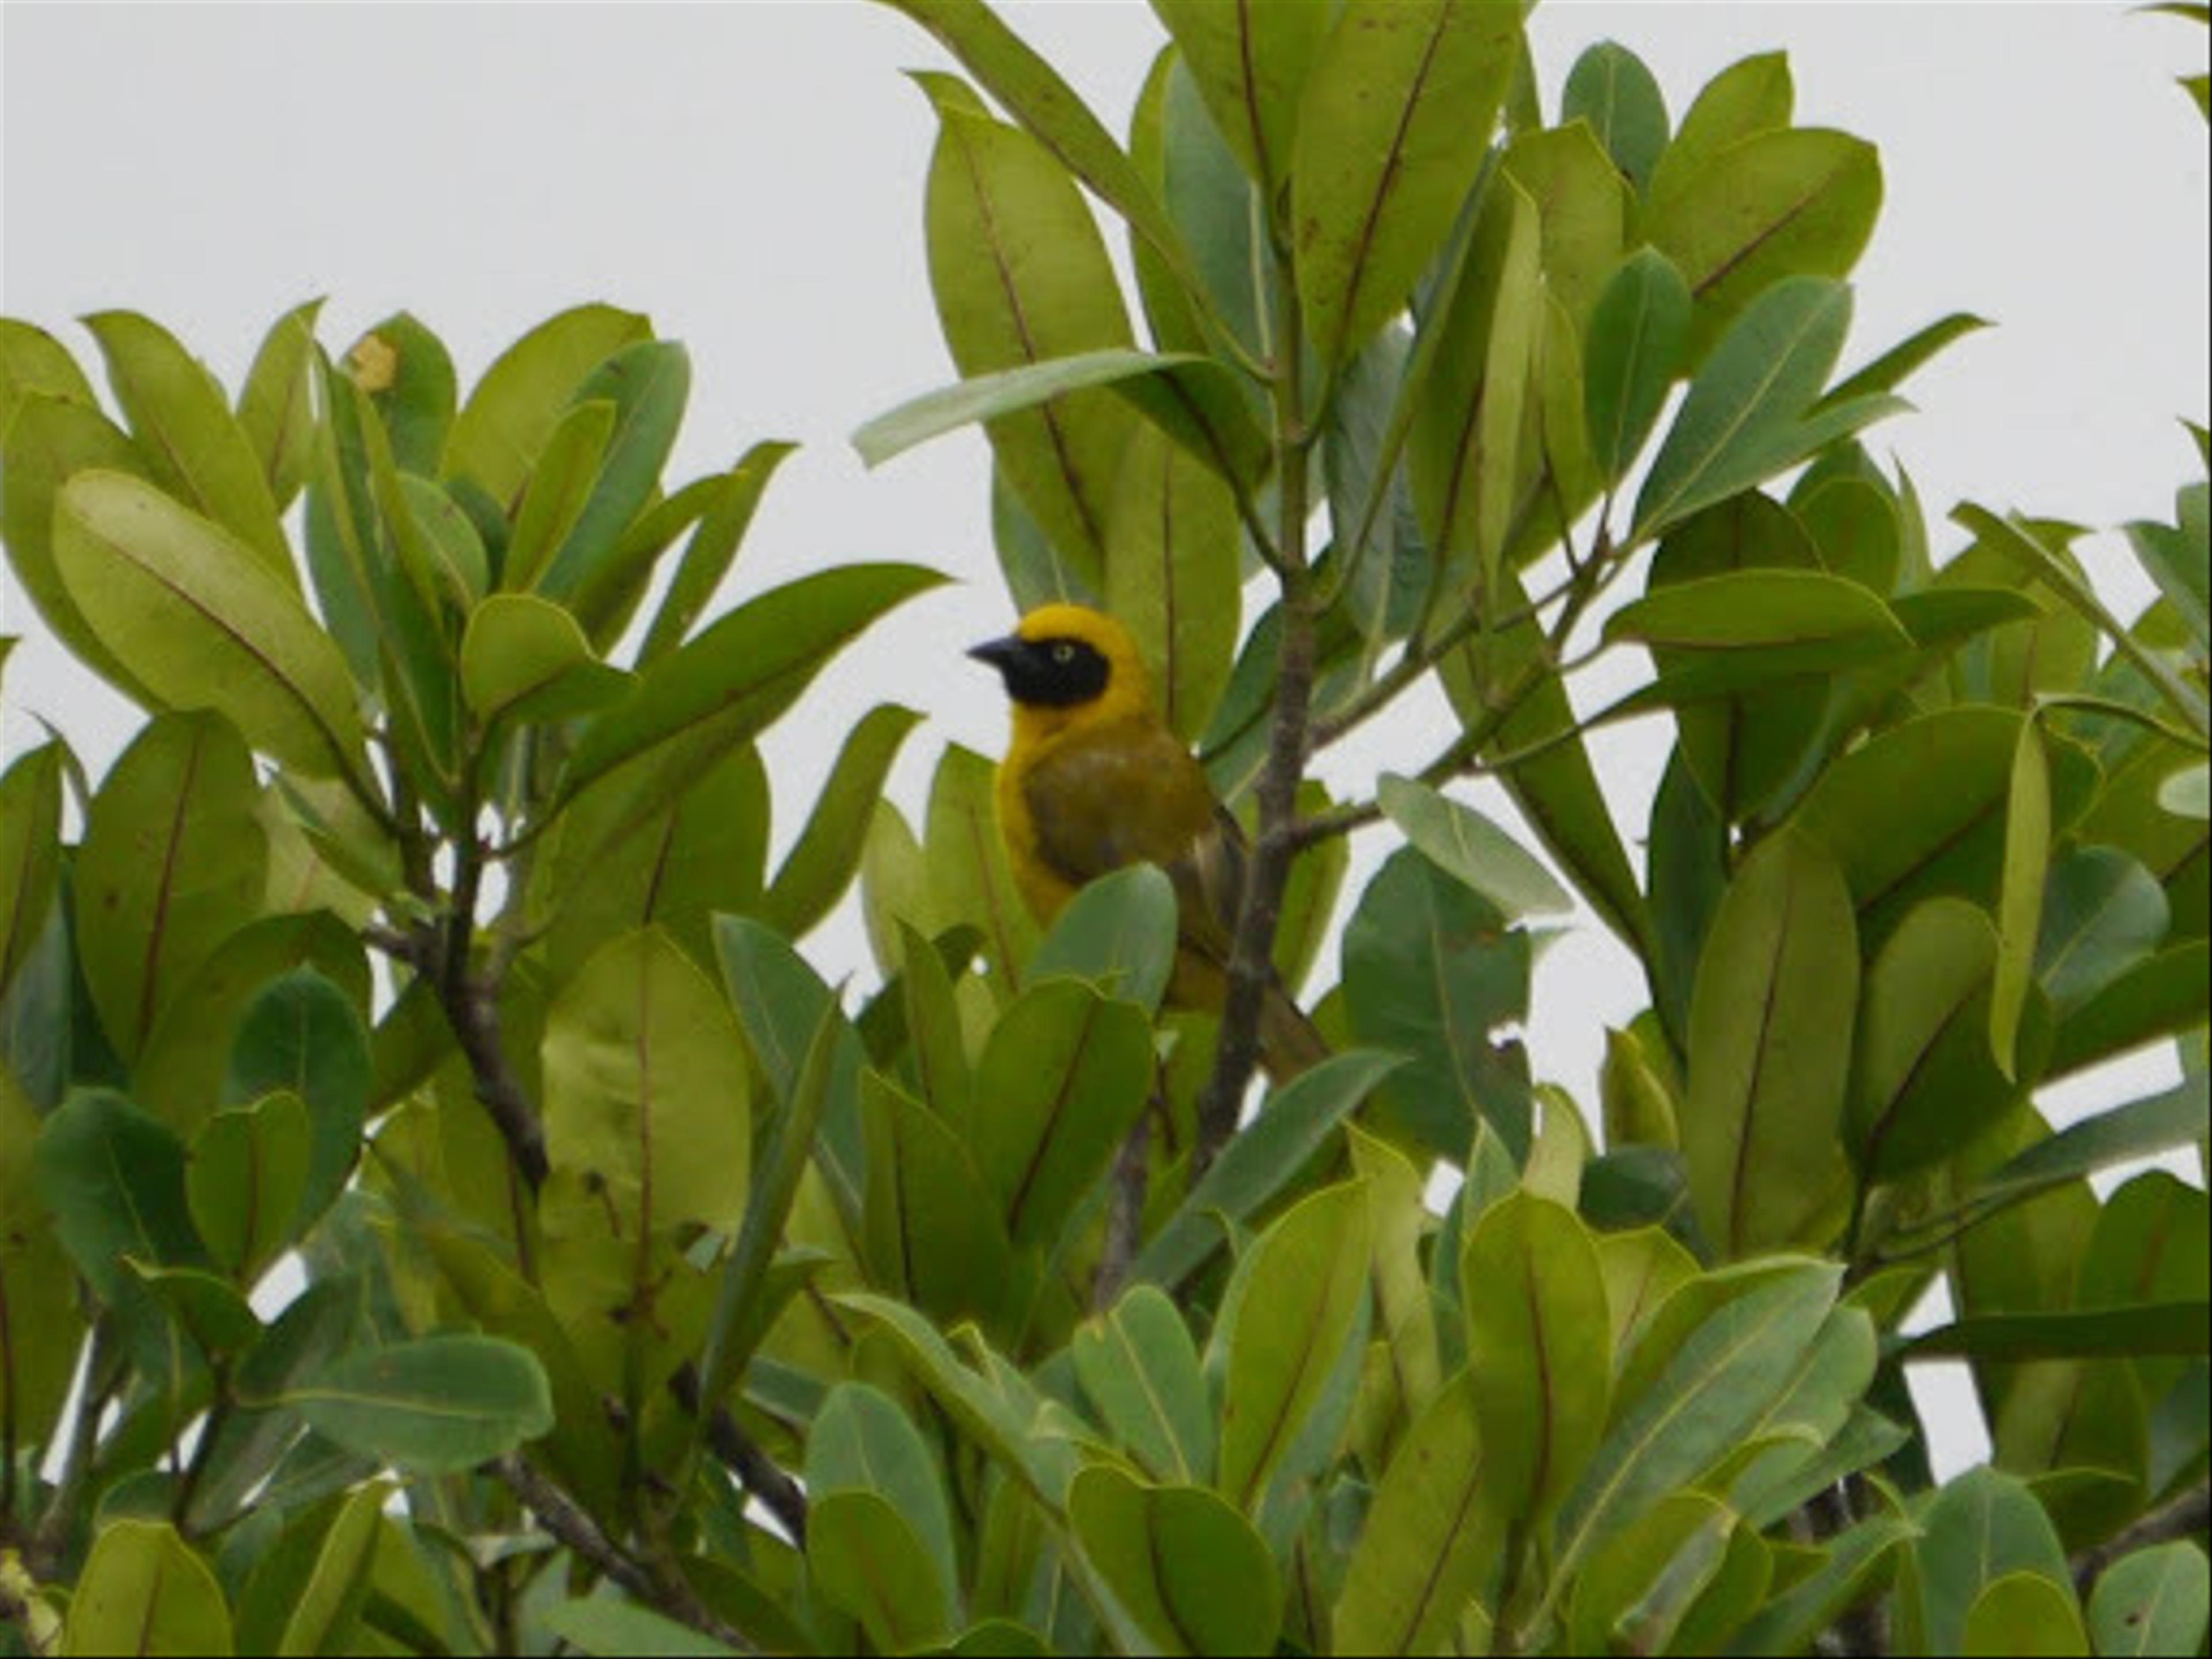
point(1094, 780)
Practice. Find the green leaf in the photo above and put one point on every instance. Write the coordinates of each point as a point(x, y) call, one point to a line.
point(560, 484)
point(1769, 1053)
point(1706, 1384)
point(193, 446)
point(203, 624)
point(1925, 1081)
point(644, 1089)
point(2103, 911)
point(275, 405)
point(822, 862)
point(1800, 202)
point(1539, 1345)
point(1065, 1074)
point(1636, 1590)
point(1171, 550)
point(712, 547)
point(966, 875)
point(1611, 89)
point(1052, 113)
point(440, 1404)
point(1430, 972)
point(1428, 1543)
point(1260, 1161)
point(1118, 934)
point(143, 1590)
point(37, 1284)
point(1750, 627)
point(1749, 411)
point(2147, 1328)
point(1981, 1527)
point(2163, 995)
point(113, 1178)
point(743, 671)
point(1792, 1619)
point(862, 1442)
point(30, 853)
point(2163, 1123)
point(867, 1562)
point(610, 1627)
point(1464, 844)
point(929, 1227)
point(1751, 96)
point(1893, 366)
point(2020, 894)
point(648, 382)
point(1632, 349)
point(497, 437)
point(207, 1308)
point(1139, 1370)
point(2188, 793)
point(1392, 127)
point(1163, 1554)
point(47, 441)
point(302, 1034)
point(1251, 64)
point(525, 657)
point(2154, 1600)
point(243, 1181)
point(33, 363)
point(1306, 1289)
point(996, 195)
point(992, 395)
point(309, 1589)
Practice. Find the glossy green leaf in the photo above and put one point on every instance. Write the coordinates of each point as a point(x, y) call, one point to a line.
point(1750, 96)
point(1063, 1077)
point(143, 1589)
point(2163, 995)
point(1749, 412)
point(929, 1226)
point(309, 1589)
point(868, 1562)
point(33, 363)
point(1429, 1543)
point(1307, 1287)
point(1790, 1619)
point(302, 1034)
point(1635, 1590)
point(2020, 894)
point(965, 877)
point(1893, 366)
point(408, 374)
point(648, 382)
point(1163, 1554)
point(862, 1442)
point(559, 486)
point(996, 195)
point(1140, 1372)
point(46, 441)
point(113, 1179)
point(1610, 88)
point(30, 853)
point(1430, 972)
point(525, 657)
point(712, 547)
point(645, 1089)
point(1693, 1384)
point(1462, 842)
point(2162, 1122)
point(1924, 1079)
point(1632, 349)
point(2152, 1601)
point(203, 624)
point(243, 1181)
point(1800, 202)
point(1539, 1348)
point(1796, 621)
point(36, 1285)
point(937, 1044)
point(743, 671)
point(193, 447)
point(1260, 1161)
point(440, 1404)
point(822, 862)
point(1392, 127)
point(1981, 1527)
point(1118, 934)
point(500, 430)
point(608, 1626)
point(1249, 63)
point(1171, 542)
point(275, 405)
point(1769, 1051)
point(2139, 1329)
point(2103, 912)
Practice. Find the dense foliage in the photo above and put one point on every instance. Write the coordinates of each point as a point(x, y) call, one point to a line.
point(471, 1221)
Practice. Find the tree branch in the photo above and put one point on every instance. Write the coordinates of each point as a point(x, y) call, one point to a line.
point(2183, 1516)
point(561, 1515)
point(737, 1451)
point(1125, 1215)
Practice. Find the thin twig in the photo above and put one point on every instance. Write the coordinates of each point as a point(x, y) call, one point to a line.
point(563, 1517)
point(740, 1454)
point(1125, 1216)
point(2183, 1516)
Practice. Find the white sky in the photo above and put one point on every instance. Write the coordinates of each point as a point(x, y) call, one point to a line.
point(750, 176)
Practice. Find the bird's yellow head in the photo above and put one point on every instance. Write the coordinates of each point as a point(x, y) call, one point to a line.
point(1067, 664)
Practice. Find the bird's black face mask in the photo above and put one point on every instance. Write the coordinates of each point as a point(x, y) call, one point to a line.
point(1057, 673)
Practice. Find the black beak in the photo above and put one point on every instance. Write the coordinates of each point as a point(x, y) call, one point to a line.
point(1001, 654)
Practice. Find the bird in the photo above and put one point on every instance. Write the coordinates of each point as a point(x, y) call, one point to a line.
point(1094, 780)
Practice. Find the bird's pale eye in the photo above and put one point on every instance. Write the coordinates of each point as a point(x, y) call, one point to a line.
point(1063, 654)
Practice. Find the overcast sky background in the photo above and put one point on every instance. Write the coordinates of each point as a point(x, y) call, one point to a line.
point(750, 176)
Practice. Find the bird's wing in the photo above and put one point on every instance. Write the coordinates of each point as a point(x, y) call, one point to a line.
point(1131, 791)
